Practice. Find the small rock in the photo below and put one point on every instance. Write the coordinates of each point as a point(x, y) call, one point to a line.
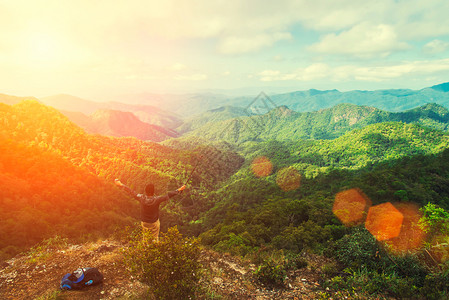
point(218, 280)
point(102, 292)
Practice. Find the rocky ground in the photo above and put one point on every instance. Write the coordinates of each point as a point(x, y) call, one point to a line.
point(37, 276)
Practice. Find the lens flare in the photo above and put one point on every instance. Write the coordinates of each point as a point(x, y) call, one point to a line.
point(412, 235)
point(288, 179)
point(262, 166)
point(350, 206)
point(384, 221)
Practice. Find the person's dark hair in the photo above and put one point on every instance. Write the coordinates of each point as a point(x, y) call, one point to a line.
point(149, 189)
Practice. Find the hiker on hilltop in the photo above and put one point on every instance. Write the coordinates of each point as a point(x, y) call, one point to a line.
point(149, 206)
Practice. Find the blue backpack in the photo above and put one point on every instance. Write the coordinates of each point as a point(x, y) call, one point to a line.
point(82, 277)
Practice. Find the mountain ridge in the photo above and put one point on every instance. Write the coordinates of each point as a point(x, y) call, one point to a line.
point(120, 124)
point(327, 123)
point(146, 113)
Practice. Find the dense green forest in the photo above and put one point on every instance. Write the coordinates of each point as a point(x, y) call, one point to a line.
point(266, 197)
point(400, 159)
point(281, 123)
point(59, 180)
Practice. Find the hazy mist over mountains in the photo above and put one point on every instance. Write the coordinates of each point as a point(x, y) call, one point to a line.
point(160, 117)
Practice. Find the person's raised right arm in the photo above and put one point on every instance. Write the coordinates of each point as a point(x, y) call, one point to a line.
point(127, 189)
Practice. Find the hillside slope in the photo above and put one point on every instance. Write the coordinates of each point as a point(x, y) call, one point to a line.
point(59, 180)
point(214, 115)
point(146, 113)
point(120, 124)
point(11, 100)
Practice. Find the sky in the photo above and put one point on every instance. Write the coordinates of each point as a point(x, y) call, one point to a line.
point(104, 49)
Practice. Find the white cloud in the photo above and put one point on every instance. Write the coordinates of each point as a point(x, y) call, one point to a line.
point(247, 25)
point(435, 47)
point(351, 72)
point(325, 16)
point(363, 40)
point(269, 75)
point(405, 69)
point(245, 44)
point(313, 72)
point(100, 39)
point(191, 77)
point(178, 67)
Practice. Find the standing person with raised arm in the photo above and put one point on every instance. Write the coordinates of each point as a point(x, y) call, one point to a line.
point(149, 206)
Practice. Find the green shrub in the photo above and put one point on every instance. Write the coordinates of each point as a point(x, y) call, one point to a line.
point(41, 251)
point(392, 284)
point(330, 269)
point(50, 295)
point(410, 266)
point(235, 244)
point(271, 272)
point(436, 286)
point(358, 249)
point(295, 261)
point(169, 266)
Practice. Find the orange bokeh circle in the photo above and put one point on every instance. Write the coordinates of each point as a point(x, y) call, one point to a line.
point(262, 166)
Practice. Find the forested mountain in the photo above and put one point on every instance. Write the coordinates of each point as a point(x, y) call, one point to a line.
point(158, 109)
point(394, 100)
point(59, 179)
point(356, 149)
point(290, 206)
point(10, 100)
point(258, 211)
point(282, 123)
point(44, 195)
point(214, 115)
point(263, 188)
point(146, 113)
point(391, 100)
point(119, 123)
point(185, 105)
point(443, 87)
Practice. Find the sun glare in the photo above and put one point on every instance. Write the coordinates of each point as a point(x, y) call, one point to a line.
point(43, 48)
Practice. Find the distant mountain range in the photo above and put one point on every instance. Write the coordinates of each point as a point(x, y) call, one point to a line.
point(391, 100)
point(302, 101)
point(119, 123)
point(123, 122)
point(281, 123)
point(214, 115)
point(306, 114)
point(11, 100)
point(146, 113)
